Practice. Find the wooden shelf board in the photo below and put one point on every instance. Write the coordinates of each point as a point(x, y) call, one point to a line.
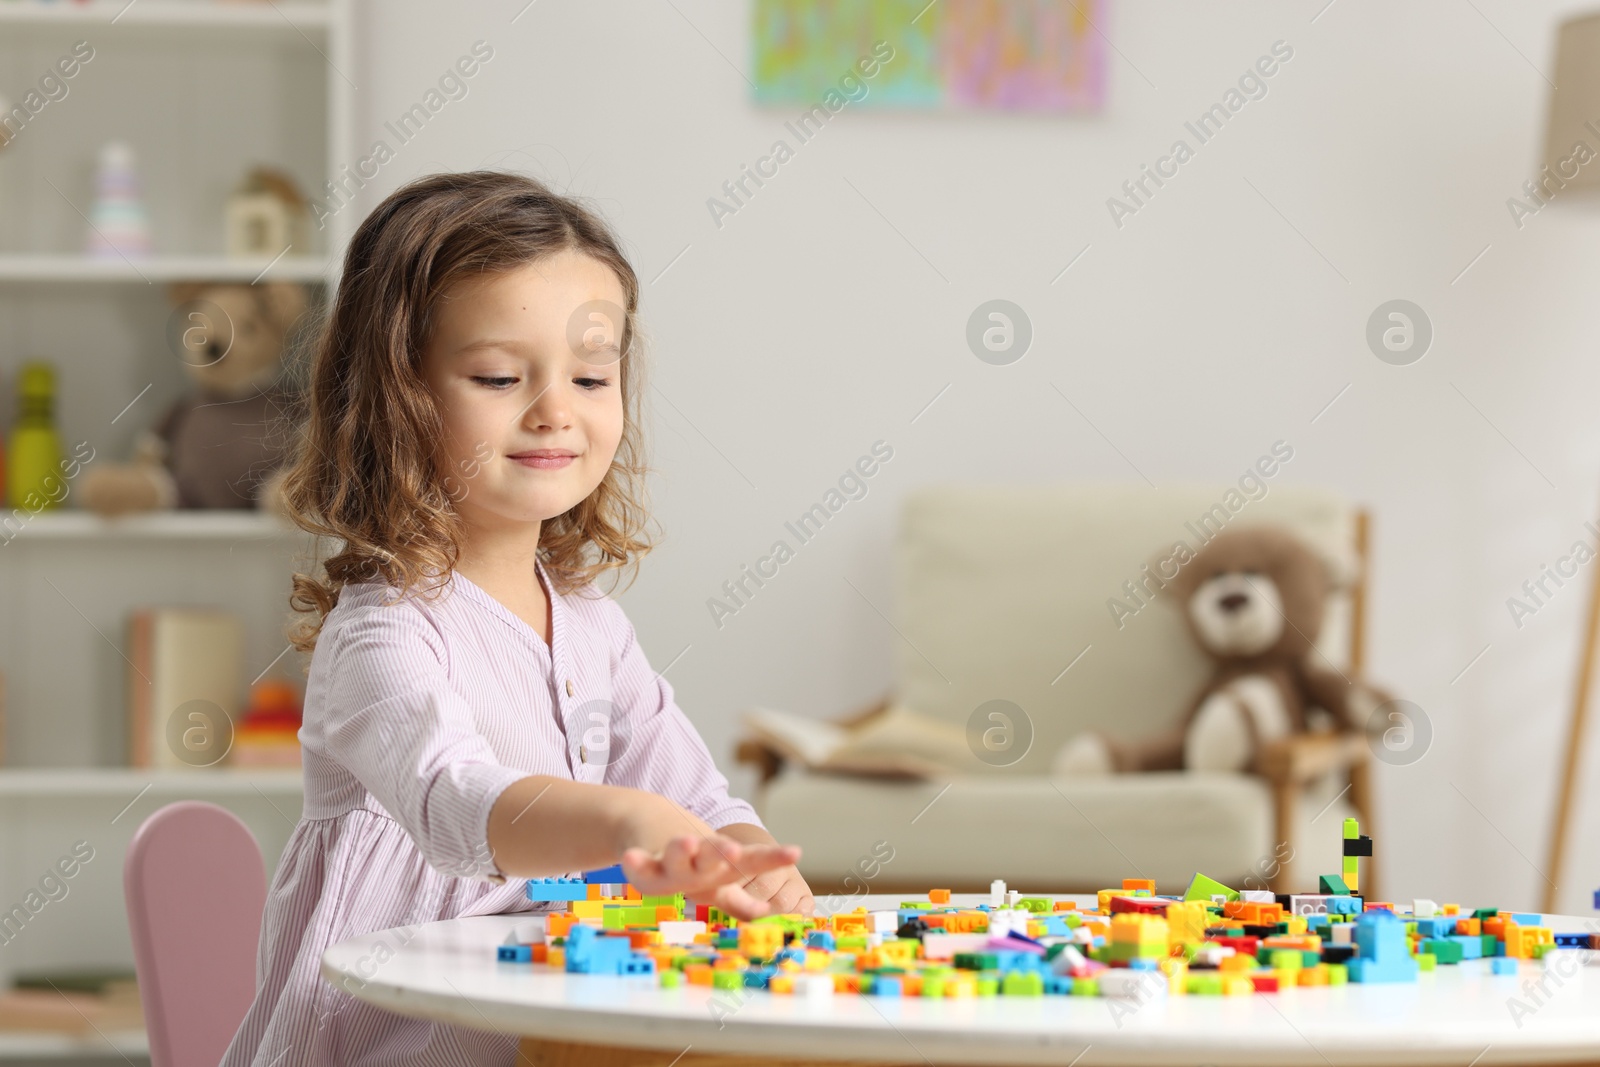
point(129, 781)
point(293, 17)
point(38, 268)
point(156, 526)
point(37, 1044)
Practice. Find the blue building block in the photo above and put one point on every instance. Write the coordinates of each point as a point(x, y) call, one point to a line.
point(758, 977)
point(612, 874)
point(1382, 951)
point(1527, 918)
point(1441, 926)
point(1058, 984)
point(1572, 940)
point(1143, 963)
point(822, 939)
point(1055, 926)
point(1597, 899)
point(637, 963)
point(885, 985)
point(590, 952)
point(1503, 965)
point(557, 889)
point(1471, 947)
point(516, 953)
point(1344, 905)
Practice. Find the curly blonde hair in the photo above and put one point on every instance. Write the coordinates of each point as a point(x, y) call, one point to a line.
point(366, 469)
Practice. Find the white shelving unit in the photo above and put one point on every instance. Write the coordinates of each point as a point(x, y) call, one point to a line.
point(202, 90)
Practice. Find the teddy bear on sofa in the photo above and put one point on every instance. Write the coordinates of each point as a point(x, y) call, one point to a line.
point(1254, 598)
point(222, 444)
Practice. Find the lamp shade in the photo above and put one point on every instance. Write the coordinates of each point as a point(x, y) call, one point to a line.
point(1572, 138)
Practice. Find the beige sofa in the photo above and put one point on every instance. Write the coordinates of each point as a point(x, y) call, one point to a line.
point(996, 591)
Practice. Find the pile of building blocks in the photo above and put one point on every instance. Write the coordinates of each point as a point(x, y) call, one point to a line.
point(1213, 940)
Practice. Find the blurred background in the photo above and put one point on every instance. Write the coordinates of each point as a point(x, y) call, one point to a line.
point(202, 164)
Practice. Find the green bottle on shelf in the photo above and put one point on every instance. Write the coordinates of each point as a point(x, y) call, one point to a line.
point(33, 462)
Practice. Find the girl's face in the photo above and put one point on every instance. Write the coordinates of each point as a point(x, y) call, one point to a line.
point(529, 389)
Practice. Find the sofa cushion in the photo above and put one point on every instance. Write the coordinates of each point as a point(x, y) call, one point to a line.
point(997, 589)
point(1042, 834)
point(1047, 835)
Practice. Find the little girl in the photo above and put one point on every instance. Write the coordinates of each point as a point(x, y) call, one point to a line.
point(477, 712)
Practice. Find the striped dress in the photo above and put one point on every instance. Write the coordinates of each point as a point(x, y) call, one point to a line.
point(417, 716)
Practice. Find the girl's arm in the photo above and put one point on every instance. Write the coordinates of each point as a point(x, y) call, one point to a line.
point(388, 715)
point(542, 826)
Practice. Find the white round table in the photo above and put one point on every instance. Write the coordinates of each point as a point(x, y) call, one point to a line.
point(1458, 1015)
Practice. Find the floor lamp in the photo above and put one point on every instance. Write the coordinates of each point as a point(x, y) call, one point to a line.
point(1572, 166)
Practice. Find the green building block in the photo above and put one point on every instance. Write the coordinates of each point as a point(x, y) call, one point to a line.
point(1023, 984)
point(1442, 950)
point(1352, 830)
point(1037, 905)
point(1333, 885)
point(1338, 974)
point(1426, 961)
point(727, 979)
point(1203, 888)
point(988, 985)
point(1085, 987)
point(1205, 985)
point(671, 978)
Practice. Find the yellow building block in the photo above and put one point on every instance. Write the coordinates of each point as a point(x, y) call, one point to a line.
point(762, 940)
point(899, 953)
point(1133, 929)
point(1177, 974)
point(1186, 922)
point(587, 909)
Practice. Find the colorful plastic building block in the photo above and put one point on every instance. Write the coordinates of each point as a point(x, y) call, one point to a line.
point(1203, 888)
point(1382, 952)
point(557, 889)
point(1129, 942)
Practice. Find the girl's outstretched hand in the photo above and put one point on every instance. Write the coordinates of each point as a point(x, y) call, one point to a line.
point(708, 867)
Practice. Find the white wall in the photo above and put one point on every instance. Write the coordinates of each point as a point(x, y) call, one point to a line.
point(1208, 326)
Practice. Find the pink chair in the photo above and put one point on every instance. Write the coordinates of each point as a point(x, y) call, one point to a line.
point(195, 887)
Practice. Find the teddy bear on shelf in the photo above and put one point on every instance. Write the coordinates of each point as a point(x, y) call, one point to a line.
point(1254, 599)
point(223, 444)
